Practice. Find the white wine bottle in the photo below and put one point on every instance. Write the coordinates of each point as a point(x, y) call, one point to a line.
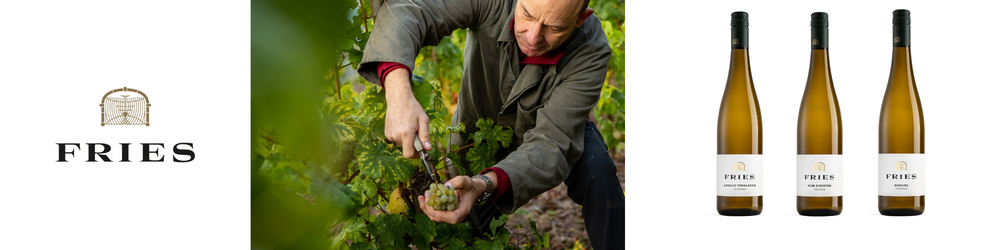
point(819, 164)
point(740, 160)
point(901, 131)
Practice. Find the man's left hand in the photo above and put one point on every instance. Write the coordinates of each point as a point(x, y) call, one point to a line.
point(467, 190)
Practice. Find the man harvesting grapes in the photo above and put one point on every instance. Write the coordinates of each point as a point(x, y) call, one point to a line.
point(536, 66)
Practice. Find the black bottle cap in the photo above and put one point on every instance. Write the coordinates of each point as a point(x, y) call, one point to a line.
point(740, 24)
point(901, 16)
point(820, 31)
point(741, 19)
point(901, 28)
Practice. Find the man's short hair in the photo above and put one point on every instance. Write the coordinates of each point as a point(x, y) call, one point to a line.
point(585, 4)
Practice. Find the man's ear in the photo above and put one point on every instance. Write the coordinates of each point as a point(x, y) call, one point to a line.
point(583, 16)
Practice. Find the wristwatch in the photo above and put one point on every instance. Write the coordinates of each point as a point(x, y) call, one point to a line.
point(489, 186)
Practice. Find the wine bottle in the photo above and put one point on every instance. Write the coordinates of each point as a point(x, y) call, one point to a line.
point(819, 163)
point(901, 131)
point(739, 162)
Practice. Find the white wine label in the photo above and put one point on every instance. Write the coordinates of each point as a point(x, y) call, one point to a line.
point(820, 175)
point(901, 174)
point(740, 175)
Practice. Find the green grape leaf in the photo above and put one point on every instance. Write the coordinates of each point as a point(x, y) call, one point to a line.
point(366, 187)
point(426, 231)
point(371, 106)
point(361, 245)
point(543, 239)
point(438, 127)
point(354, 56)
point(352, 230)
point(345, 131)
point(456, 246)
point(346, 92)
point(501, 239)
point(388, 230)
point(377, 159)
point(482, 244)
point(428, 94)
point(453, 235)
point(497, 223)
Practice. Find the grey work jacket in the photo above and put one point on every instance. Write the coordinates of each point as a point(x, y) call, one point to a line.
point(546, 105)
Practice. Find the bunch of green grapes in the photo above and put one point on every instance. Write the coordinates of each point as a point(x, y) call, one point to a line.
point(442, 198)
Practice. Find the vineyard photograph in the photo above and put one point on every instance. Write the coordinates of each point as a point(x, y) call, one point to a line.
point(437, 124)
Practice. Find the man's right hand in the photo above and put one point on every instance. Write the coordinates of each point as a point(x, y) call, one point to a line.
point(404, 117)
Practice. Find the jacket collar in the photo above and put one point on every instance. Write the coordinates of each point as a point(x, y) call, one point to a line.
point(506, 37)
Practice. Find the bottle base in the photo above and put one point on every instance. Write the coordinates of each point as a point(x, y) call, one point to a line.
point(819, 212)
point(739, 212)
point(819, 206)
point(901, 212)
point(739, 205)
point(901, 205)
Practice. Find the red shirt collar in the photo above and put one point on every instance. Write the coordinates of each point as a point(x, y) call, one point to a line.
point(550, 58)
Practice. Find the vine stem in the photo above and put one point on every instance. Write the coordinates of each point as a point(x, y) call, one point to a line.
point(336, 82)
point(382, 194)
point(351, 178)
point(463, 147)
point(456, 150)
point(269, 138)
point(364, 17)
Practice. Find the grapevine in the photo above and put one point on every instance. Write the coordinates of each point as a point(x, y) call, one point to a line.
point(323, 176)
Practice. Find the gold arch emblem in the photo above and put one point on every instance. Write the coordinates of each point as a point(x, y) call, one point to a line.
point(739, 166)
point(736, 41)
point(900, 165)
point(819, 166)
point(815, 41)
point(126, 107)
point(895, 40)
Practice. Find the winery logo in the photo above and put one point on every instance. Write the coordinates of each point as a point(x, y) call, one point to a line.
point(736, 41)
point(895, 40)
point(815, 41)
point(739, 166)
point(129, 107)
point(125, 106)
point(819, 166)
point(900, 165)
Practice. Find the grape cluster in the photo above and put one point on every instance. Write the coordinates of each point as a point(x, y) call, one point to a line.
point(442, 198)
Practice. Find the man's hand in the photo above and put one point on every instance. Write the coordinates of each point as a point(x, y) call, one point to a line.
point(467, 190)
point(404, 117)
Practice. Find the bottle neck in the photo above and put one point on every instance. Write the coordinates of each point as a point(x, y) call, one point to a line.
point(819, 69)
point(901, 67)
point(739, 68)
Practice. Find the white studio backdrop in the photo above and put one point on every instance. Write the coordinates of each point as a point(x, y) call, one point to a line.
point(58, 59)
point(192, 59)
point(678, 67)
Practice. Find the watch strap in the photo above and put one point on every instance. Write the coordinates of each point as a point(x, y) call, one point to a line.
point(489, 188)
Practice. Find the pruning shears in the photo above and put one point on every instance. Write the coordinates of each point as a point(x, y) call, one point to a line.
point(424, 157)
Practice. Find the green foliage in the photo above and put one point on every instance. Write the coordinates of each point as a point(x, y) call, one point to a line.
point(321, 168)
point(543, 240)
point(487, 141)
point(610, 109)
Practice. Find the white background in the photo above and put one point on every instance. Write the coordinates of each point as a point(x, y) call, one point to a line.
point(677, 68)
point(57, 59)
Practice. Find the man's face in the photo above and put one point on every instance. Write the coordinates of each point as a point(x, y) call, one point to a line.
point(543, 25)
